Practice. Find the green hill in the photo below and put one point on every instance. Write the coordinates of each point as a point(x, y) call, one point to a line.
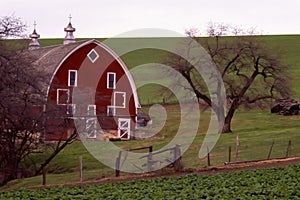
point(288, 45)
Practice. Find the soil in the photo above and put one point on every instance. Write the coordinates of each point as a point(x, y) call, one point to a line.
point(227, 167)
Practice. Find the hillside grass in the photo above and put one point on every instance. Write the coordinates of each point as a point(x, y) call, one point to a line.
point(287, 45)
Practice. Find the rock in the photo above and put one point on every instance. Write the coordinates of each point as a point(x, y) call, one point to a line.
point(286, 106)
point(276, 109)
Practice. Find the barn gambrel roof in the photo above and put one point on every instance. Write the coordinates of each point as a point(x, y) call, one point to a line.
point(49, 59)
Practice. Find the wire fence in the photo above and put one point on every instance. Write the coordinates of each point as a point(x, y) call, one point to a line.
point(237, 151)
point(243, 151)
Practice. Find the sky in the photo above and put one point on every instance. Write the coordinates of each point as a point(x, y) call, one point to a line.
point(109, 18)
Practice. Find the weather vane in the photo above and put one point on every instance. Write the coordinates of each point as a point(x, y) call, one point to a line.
point(70, 17)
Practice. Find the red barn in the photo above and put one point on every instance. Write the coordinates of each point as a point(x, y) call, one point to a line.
point(89, 89)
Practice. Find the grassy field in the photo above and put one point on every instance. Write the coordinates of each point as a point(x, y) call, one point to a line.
point(257, 129)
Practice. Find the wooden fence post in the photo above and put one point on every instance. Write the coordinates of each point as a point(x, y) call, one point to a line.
point(80, 168)
point(177, 157)
point(150, 161)
point(229, 154)
point(270, 151)
point(208, 157)
point(44, 176)
point(118, 160)
point(117, 166)
point(237, 148)
point(288, 149)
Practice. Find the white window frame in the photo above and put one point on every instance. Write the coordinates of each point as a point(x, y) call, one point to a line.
point(73, 107)
point(93, 106)
point(97, 55)
point(69, 78)
point(124, 99)
point(57, 96)
point(114, 111)
point(107, 81)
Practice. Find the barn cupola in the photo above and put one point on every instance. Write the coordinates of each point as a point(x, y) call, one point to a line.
point(69, 38)
point(34, 43)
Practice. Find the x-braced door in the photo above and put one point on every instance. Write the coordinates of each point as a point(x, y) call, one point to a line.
point(124, 128)
point(91, 122)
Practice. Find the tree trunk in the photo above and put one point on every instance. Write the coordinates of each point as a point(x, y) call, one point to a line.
point(228, 119)
point(9, 173)
point(227, 125)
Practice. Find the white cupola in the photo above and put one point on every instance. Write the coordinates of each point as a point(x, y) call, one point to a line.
point(34, 43)
point(69, 38)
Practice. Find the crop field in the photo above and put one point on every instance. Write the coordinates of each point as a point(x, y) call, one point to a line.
point(275, 183)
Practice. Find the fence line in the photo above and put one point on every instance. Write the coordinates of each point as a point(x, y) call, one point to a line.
point(287, 149)
point(151, 159)
point(277, 149)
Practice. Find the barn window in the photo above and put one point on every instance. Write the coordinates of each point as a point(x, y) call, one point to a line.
point(111, 111)
point(119, 99)
point(63, 96)
point(111, 80)
point(72, 80)
point(91, 111)
point(93, 55)
point(71, 109)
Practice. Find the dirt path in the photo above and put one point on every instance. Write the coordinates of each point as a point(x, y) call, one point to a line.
point(200, 171)
point(248, 165)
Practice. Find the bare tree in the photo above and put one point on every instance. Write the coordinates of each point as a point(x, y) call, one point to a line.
point(22, 116)
point(22, 101)
point(251, 72)
point(11, 26)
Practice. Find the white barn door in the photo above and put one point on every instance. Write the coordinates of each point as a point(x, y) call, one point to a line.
point(91, 122)
point(124, 128)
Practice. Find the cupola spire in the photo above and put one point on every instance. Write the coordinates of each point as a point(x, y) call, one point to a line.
point(34, 43)
point(69, 38)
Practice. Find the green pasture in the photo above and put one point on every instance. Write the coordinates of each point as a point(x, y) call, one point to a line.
point(256, 130)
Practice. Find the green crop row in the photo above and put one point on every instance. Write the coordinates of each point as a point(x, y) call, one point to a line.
point(275, 183)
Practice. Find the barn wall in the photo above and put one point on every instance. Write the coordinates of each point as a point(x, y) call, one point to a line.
point(91, 77)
